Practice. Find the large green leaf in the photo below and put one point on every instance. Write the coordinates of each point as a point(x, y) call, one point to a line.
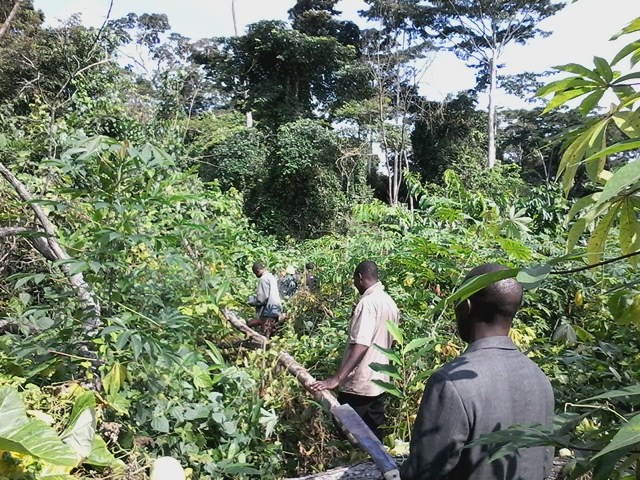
point(100, 456)
point(475, 284)
point(595, 245)
point(390, 353)
point(603, 68)
point(389, 388)
point(415, 344)
point(81, 429)
point(629, 391)
point(532, 277)
point(20, 434)
point(395, 332)
point(579, 70)
point(628, 122)
point(634, 26)
point(629, 231)
point(387, 369)
point(575, 232)
point(624, 146)
point(623, 178)
point(628, 435)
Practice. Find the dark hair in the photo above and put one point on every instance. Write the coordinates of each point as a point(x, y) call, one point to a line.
point(310, 266)
point(500, 300)
point(368, 269)
point(257, 267)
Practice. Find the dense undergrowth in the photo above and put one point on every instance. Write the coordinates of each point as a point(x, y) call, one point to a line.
point(165, 253)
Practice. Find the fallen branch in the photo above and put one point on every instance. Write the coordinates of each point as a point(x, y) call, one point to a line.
point(356, 431)
point(34, 236)
point(52, 250)
point(325, 398)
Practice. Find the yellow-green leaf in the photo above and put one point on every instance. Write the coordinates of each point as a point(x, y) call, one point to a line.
point(629, 434)
point(628, 123)
point(595, 245)
point(576, 231)
point(629, 229)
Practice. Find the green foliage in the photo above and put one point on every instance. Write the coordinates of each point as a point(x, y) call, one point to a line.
point(616, 202)
point(450, 135)
point(32, 445)
point(278, 73)
point(301, 193)
point(119, 159)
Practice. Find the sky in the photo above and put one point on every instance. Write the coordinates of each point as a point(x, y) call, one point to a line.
point(579, 31)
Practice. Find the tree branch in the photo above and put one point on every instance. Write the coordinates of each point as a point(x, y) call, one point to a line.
point(595, 265)
point(54, 251)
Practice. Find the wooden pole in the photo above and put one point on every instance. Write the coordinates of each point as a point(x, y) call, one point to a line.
point(349, 422)
point(325, 398)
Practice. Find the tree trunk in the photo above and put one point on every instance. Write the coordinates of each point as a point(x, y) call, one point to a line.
point(368, 471)
point(83, 291)
point(7, 23)
point(491, 128)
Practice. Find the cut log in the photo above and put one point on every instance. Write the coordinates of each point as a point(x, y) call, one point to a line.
point(357, 432)
point(369, 471)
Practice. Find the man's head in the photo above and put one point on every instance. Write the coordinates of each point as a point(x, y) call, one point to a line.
point(365, 275)
point(490, 311)
point(258, 269)
point(310, 266)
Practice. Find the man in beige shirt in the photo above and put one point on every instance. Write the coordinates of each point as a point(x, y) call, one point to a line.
point(355, 377)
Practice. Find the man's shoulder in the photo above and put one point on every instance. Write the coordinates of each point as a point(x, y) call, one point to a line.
point(378, 296)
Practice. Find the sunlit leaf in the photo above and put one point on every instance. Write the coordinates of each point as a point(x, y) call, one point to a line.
point(628, 435)
point(629, 391)
point(415, 344)
point(20, 434)
point(623, 178)
point(579, 70)
point(532, 277)
point(629, 231)
point(395, 332)
point(595, 245)
point(628, 123)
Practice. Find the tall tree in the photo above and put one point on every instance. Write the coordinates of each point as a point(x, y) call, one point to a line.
point(318, 19)
point(278, 73)
point(478, 31)
point(393, 50)
point(449, 135)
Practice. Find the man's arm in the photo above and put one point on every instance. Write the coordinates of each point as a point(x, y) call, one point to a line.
point(353, 359)
point(439, 434)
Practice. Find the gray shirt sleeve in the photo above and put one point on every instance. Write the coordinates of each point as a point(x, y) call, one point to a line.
point(263, 290)
point(439, 434)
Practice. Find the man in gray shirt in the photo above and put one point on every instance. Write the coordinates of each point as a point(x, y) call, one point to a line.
point(491, 386)
point(266, 300)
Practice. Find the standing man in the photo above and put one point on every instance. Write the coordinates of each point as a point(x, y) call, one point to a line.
point(491, 386)
point(266, 300)
point(355, 377)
